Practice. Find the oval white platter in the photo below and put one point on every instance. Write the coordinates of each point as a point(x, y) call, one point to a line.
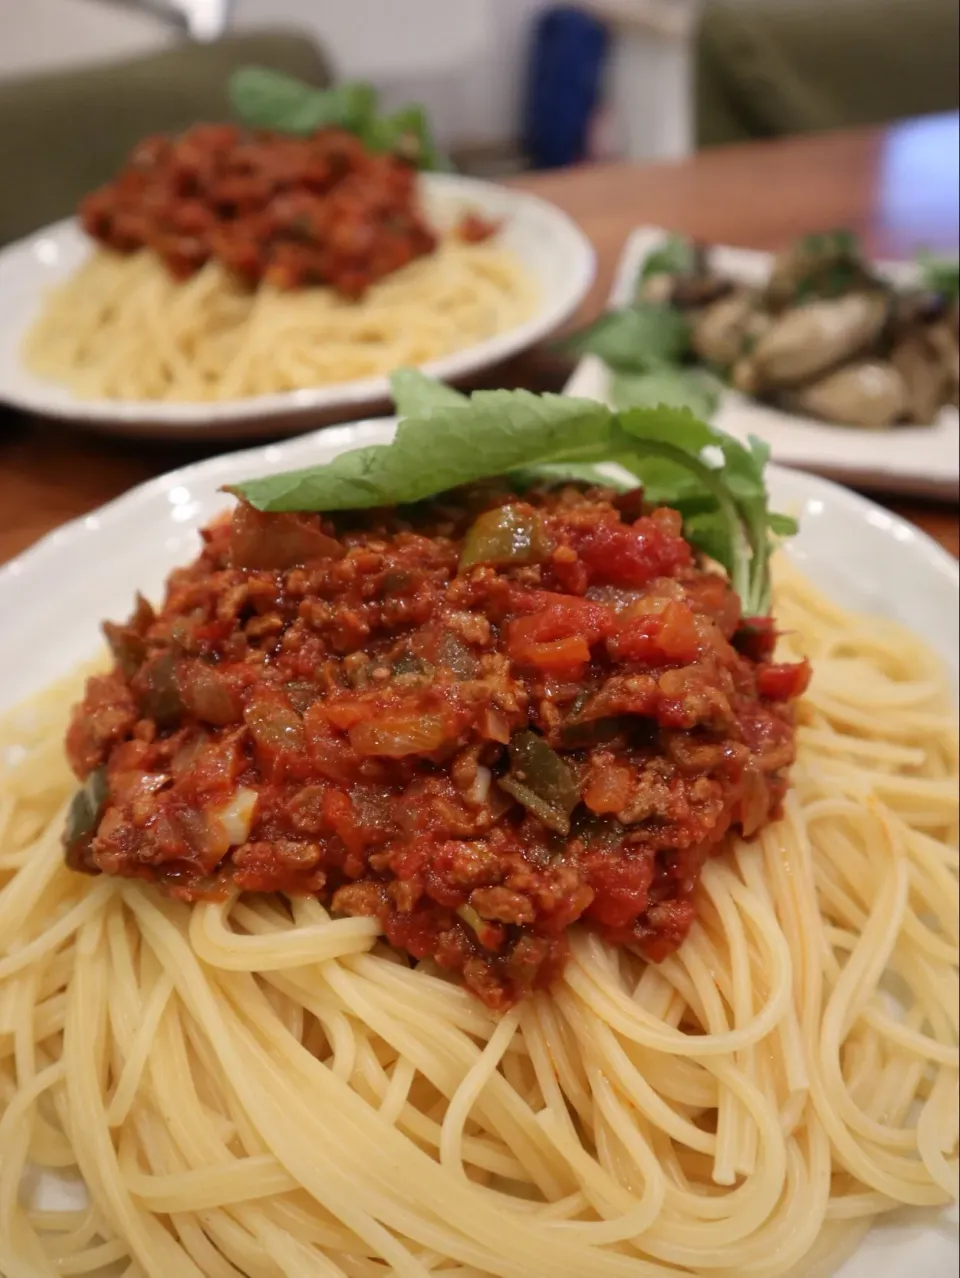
point(552, 248)
point(921, 460)
point(54, 596)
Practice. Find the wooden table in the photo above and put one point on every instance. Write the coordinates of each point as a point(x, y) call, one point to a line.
point(897, 187)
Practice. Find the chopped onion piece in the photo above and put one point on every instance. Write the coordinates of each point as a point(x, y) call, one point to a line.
point(480, 787)
point(236, 816)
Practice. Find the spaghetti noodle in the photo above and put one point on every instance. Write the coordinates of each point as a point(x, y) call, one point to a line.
point(124, 328)
point(256, 1087)
point(232, 263)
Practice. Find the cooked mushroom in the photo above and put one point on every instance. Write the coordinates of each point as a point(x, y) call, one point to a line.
point(824, 335)
point(691, 291)
point(810, 339)
point(718, 332)
point(744, 376)
point(656, 289)
point(916, 306)
point(944, 338)
point(921, 363)
point(868, 393)
point(827, 265)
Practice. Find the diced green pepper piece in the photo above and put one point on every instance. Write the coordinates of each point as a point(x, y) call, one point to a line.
point(507, 535)
point(541, 781)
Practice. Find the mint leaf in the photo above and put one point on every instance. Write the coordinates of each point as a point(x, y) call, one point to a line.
point(410, 137)
point(679, 387)
point(782, 525)
point(635, 340)
point(447, 440)
point(711, 535)
point(265, 99)
point(494, 433)
point(676, 256)
point(414, 393)
point(668, 425)
point(676, 436)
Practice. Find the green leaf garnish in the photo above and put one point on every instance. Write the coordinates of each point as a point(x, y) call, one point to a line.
point(413, 393)
point(265, 99)
point(675, 256)
point(680, 387)
point(634, 340)
point(493, 433)
point(446, 439)
point(939, 274)
point(840, 242)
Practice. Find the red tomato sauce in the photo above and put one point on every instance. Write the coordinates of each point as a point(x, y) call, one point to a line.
point(288, 211)
point(481, 720)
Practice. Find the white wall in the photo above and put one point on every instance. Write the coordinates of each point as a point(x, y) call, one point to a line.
point(47, 35)
point(464, 58)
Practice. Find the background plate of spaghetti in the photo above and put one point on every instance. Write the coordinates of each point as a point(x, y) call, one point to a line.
point(249, 1087)
point(208, 357)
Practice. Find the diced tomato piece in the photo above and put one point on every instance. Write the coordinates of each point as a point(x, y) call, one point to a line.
point(557, 656)
point(667, 636)
point(553, 616)
point(621, 885)
point(781, 681)
point(633, 554)
point(557, 635)
point(673, 921)
point(756, 638)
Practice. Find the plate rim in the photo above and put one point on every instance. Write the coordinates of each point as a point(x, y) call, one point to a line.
point(181, 419)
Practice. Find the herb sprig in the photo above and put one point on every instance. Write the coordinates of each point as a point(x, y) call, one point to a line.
point(940, 275)
point(446, 439)
point(265, 99)
point(646, 345)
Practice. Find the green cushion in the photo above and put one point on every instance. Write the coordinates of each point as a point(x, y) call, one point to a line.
point(771, 67)
point(63, 134)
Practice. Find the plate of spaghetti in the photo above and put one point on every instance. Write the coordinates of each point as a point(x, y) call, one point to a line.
point(234, 281)
point(517, 841)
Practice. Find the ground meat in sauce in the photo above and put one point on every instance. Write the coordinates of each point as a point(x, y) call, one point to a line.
point(479, 720)
point(288, 211)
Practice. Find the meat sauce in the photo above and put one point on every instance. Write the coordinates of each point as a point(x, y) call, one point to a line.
point(269, 207)
point(481, 720)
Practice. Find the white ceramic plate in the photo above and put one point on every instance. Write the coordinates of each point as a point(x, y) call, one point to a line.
point(549, 245)
point(922, 460)
point(53, 597)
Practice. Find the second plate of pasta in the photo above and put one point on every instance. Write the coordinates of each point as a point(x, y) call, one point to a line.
point(117, 343)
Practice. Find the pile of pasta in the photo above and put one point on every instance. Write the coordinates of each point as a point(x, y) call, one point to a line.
point(255, 1087)
point(124, 328)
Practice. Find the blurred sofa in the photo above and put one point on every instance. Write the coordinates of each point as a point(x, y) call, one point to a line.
point(765, 68)
point(63, 133)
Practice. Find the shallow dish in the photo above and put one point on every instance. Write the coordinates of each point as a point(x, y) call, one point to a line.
point(886, 567)
point(924, 460)
point(550, 246)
